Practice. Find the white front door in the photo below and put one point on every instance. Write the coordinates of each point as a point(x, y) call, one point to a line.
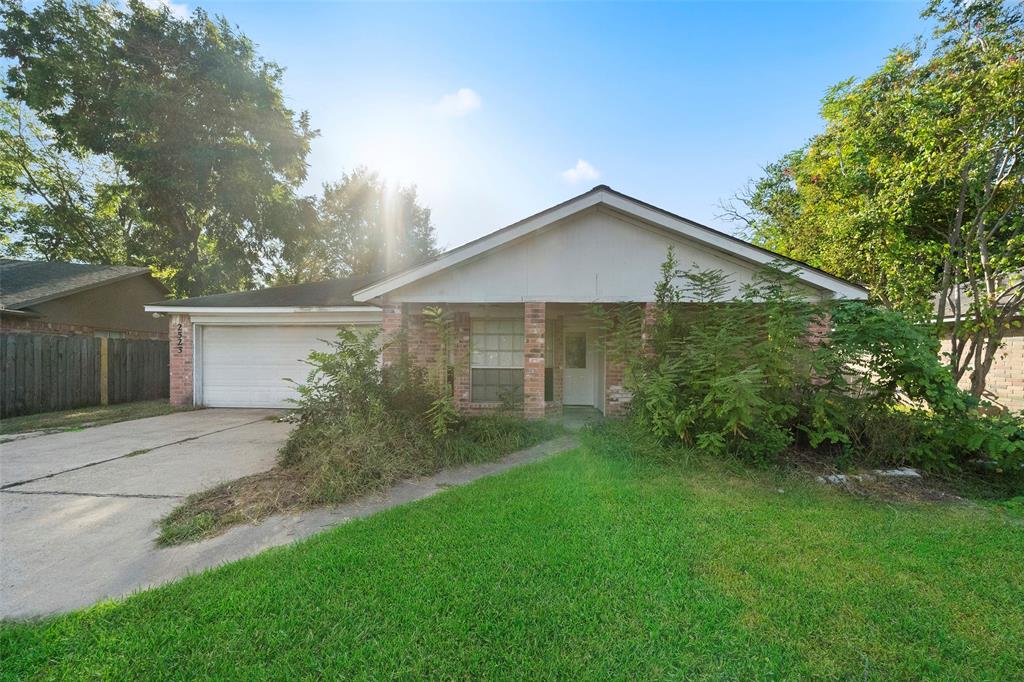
point(579, 369)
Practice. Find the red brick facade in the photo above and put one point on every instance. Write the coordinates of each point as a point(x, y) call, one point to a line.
point(392, 323)
point(181, 359)
point(533, 361)
point(460, 361)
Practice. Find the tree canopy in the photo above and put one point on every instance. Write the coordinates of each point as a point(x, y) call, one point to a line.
point(188, 116)
point(362, 226)
point(915, 186)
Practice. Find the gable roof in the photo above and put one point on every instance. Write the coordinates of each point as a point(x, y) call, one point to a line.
point(605, 196)
point(335, 293)
point(24, 283)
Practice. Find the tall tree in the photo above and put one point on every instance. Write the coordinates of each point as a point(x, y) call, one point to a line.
point(916, 185)
point(188, 110)
point(363, 226)
point(61, 204)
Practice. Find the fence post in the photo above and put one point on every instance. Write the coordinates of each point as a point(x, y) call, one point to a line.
point(104, 365)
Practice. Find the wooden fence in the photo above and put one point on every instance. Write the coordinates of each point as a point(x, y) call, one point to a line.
point(44, 372)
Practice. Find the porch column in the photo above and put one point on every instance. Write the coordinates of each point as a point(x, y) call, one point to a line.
point(180, 360)
point(392, 325)
point(533, 361)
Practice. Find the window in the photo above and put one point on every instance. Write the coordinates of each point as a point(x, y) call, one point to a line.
point(496, 360)
point(576, 350)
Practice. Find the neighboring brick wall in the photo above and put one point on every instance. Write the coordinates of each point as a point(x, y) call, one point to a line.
point(182, 371)
point(35, 325)
point(533, 361)
point(1004, 384)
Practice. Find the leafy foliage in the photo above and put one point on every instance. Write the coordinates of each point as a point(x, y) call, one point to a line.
point(361, 429)
point(360, 226)
point(187, 110)
point(738, 369)
point(62, 204)
point(916, 184)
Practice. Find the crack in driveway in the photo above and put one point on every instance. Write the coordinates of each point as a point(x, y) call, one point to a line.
point(141, 496)
point(136, 453)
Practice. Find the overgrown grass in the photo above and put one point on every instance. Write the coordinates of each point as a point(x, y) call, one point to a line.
point(591, 565)
point(78, 418)
point(327, 462)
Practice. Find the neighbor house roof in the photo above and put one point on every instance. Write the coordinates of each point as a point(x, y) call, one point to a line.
point(335, 293)
point(25, 283)
point(606, 197)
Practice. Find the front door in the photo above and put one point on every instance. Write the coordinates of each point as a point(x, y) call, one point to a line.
point(579, 369)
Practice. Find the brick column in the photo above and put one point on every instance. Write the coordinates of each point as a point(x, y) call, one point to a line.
point(556, 360)
point(647, 333)
point(460, 359)
point(533, 361)
point(182, 371)
point(616, 396)
point(392, 324)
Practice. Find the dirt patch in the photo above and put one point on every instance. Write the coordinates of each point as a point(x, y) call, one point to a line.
point(868, 483)
point(246, 500)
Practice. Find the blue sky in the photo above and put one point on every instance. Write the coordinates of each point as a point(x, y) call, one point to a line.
point(486, 108)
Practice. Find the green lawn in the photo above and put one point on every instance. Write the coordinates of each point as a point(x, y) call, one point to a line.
point(86, 416)
point(587, 565)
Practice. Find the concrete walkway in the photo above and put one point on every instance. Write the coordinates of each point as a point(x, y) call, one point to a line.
point(88, 534)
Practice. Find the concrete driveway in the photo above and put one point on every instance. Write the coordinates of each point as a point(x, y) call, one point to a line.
point(78, 510)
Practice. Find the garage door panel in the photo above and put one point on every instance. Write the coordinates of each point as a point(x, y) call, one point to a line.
point(248, 366)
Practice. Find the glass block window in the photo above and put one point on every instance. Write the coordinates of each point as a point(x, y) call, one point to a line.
point(496, 360)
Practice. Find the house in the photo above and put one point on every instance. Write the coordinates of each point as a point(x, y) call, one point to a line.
point(1004, 384)
point(520, 299)
point(46, 297)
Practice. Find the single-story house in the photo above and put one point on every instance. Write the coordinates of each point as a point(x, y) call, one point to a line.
point(49, 297)
point(520, 299)
point(1004, 384)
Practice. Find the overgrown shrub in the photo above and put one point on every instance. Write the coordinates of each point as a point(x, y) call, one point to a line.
point(734, 369)
point(361, 429)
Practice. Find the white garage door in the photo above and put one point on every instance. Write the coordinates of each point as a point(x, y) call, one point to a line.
point(248, 366)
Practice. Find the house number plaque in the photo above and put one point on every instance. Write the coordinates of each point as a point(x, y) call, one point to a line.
point(180, 343)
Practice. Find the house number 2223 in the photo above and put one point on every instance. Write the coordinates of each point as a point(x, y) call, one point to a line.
point(180, 344)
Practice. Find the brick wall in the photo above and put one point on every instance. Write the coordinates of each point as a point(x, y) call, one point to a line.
point(533, 361)
point(616, 396)
point(392, 322)
point(1005, 381)
point(34, 325)
point(182, 371)
point(554, 358)
point(460, 361)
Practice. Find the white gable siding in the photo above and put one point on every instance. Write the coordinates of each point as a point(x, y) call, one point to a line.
point(594, 256)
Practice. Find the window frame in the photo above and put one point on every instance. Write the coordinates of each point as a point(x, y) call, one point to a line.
point(519, 332)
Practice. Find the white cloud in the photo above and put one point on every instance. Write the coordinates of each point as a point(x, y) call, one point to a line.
point(580, 172)
point(459, 103)
point(180, 10)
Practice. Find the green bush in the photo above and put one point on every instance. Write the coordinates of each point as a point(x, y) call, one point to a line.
point(733, 369)
point(361, 429)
